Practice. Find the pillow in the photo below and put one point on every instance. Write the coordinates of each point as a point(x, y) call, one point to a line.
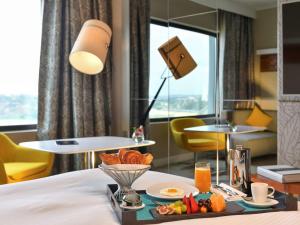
point(258, 118)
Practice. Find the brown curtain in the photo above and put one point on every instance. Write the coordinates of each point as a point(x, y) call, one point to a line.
point(139, 59)
point(71, 104)
point(236, 60)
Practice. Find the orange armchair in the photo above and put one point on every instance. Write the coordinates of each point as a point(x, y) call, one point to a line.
point(19, 163)
point(195, 141)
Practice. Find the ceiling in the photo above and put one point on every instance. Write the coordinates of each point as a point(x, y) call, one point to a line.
point(258, 4)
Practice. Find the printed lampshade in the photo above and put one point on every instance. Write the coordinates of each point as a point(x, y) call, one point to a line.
point(90, 49)
point(177, 57)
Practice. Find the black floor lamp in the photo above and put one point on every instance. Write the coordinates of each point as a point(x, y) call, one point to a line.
point(180, 63)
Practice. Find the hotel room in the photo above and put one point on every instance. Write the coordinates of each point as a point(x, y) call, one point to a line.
point(149, 111)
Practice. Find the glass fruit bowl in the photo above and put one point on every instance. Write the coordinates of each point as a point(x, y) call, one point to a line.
point(124, 175)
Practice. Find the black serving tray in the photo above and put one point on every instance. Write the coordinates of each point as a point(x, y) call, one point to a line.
point(129, 217)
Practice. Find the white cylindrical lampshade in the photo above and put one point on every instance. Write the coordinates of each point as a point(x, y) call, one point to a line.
point(90, 49)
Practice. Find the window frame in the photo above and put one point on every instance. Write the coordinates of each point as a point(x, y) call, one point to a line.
point(189, 28)
point(18, 127)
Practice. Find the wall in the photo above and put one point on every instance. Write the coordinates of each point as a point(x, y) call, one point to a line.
point(22, 136)
point(121, 68)
point(180, 11)
point(265, 36)
point(289, 109)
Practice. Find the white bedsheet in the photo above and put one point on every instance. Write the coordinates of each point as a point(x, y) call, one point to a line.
point(79, 198)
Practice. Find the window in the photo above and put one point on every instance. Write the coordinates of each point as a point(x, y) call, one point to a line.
point(193, 94)
point(20, 39)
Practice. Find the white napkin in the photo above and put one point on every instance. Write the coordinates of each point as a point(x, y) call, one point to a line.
point(226, 196)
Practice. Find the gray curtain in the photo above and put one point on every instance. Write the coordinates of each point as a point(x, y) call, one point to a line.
point(71, 104)
point(236, 60)
point(139, 59)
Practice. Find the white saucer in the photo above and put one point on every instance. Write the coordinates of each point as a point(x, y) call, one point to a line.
point(268, 203)
point(154, 190)
point(132, 207)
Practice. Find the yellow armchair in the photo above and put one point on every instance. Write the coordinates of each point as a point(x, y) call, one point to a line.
point(195, 141)
point(19, 163)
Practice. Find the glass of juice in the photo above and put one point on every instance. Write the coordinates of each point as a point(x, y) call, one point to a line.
point(202, 176)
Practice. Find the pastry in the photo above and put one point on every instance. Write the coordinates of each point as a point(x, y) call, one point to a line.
point(133, 157)
point(148, 157)
point(121, 153)
point(125, 156)
point(110, 159)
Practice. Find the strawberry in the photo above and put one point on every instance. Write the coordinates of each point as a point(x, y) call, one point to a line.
point(194, 204)
point(188, 206)
point(184, 199)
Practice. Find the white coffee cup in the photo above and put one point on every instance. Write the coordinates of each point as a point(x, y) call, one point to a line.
point(260, 192)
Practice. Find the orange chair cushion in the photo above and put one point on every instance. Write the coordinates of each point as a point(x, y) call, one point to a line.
point(20, 170)
point(259, 118)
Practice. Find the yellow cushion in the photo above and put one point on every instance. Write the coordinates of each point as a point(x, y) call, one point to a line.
point(20, 170)
point(201, 142)
point(258, 118)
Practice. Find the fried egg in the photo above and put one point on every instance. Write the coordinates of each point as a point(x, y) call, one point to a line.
point(172, 191)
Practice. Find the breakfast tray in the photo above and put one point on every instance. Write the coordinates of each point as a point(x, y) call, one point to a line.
point(148, 215)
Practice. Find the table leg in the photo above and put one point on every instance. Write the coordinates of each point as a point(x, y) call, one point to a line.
point(90, 160)
point(227, 148)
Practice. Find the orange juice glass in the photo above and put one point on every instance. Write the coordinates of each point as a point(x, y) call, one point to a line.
point(202, 177)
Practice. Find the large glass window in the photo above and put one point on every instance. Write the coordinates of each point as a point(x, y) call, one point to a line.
point(193, 94)
point(20, 39)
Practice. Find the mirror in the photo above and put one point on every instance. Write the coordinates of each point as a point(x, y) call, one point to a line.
point(197, 95)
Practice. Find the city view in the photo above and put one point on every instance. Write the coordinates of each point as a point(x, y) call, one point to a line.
point(18, 110)
point(180, 105)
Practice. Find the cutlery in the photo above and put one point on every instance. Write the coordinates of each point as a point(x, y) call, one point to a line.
point(225, 190)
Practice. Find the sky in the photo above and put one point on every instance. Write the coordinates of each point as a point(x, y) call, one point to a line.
point(20, 68)
point(195, 83)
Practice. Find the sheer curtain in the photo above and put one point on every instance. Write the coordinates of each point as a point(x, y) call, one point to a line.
point(236, 60)
point(71, 104)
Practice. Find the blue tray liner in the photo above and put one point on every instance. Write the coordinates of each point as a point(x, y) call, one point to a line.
point(144, 214)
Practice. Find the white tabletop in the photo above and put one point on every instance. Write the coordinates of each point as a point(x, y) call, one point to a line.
point(86, 144)
point(225, 129)
point(79, 198)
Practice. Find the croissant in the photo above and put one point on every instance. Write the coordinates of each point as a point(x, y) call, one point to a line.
point(133, 157)
point(148, 157)
point(125, 156)
point(121, 153)
point(110, 159)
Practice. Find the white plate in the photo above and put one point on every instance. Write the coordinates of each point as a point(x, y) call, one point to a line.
point(154, 190)
point(268, 203)
point(132, 207)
